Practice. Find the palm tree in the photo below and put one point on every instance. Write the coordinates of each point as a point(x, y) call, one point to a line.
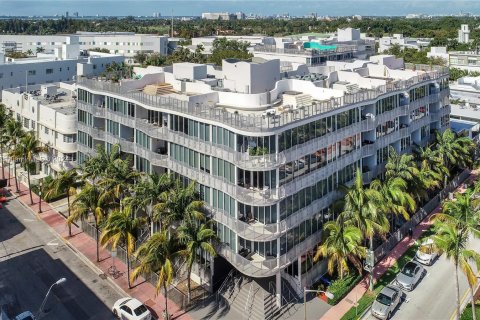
point(96, 167)
point(14, 132)
point(393, 197)
point(426, 180)
point(65, 182)
point(122, 227)
point(400, 166)
point(341, 243)
point(452, 240)
point(360, 210)
point(118, 179)
point(195, 237)
point(453, 150)
point(4, 118)
point(28, 149)
point(179, 204)
point(90, 201)
point(158, 254)
point(147, 194)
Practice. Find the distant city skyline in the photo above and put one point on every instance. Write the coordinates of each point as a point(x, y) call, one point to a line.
point(264, 8)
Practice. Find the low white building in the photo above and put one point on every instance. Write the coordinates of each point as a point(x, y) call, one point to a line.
point(50, 111)
point(50, 68)
point(386, 43)
point(123, 43)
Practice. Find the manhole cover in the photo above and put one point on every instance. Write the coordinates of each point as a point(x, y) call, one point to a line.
point(103, 276)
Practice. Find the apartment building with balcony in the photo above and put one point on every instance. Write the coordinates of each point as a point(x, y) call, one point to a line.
point(49, 110)
point(268, 163)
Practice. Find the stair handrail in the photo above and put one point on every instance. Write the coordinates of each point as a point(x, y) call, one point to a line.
point(271, 288)
point(290, 294)
point(248, 298)
point(230, 274)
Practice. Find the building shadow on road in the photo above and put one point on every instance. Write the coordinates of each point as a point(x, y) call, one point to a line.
point(9, 225)
point(30, 274)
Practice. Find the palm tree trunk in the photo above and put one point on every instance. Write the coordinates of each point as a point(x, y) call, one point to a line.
point(9, 173)
point(29, 186)
point(1, 155)
point(189, 284)
point(474, 315)
point(15, 174)
point(371, 271)
point(128, 270)
point(457, 292)
point(96, 240)
point(166, 300)
point(68, 208)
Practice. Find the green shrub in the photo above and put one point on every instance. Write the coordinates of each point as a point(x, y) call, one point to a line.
point(467, 313)
point(341, 287)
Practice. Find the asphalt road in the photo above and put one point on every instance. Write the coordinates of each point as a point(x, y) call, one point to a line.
point(434, 297)
point(32, 257)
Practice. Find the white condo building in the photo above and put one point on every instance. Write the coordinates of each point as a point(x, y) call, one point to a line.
point(386, 43)
point(50, 111)
point(64, 65)
point(267, 153)
point(122, 43)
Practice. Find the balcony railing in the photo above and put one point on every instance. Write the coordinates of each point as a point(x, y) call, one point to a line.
point(256, 122)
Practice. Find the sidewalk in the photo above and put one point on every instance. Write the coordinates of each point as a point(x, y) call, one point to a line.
point(337, 311)
point(86, 246)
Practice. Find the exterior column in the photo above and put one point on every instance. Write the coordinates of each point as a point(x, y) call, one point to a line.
point(299, 261)
point(278, 288)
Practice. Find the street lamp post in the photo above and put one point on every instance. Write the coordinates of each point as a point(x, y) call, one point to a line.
point(305, 291)
point(59, 281)
point(40, 197)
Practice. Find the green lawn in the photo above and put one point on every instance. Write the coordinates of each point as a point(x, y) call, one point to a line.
point(467, 313)
point(367, 299)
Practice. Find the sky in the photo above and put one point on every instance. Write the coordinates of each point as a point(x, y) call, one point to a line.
point(262, 7)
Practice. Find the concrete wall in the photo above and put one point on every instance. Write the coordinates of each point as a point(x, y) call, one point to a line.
point(245, 77)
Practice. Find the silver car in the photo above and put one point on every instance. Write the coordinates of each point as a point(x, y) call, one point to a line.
point(410, 275)
point(386, 302)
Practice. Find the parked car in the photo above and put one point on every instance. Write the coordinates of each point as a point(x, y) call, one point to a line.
point(386, 302)
point(426, 253)
point(27, 315)
point(131, 309)
point(412, 272)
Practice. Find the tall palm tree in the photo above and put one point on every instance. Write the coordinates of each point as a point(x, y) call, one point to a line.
point(14, 132)
point(121, 227)
point(65, 182)
point(360, 210)
point(147, 194)
point(452, 240)
point(195, 237)
point(90, 201)
point(341, 243)
point(118, 179)
point(4, 118)
point(179, 204)
point(426, 180)
point(393, 197)
point(453, 150)
point(95, 167)
point(158, 254)
point(400, 166)
point(27, 150)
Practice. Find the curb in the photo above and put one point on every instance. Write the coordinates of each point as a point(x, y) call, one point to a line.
point(76, 252)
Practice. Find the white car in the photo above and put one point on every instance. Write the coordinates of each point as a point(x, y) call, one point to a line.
point(131, 309)
point(426, 253)
point(27, 315)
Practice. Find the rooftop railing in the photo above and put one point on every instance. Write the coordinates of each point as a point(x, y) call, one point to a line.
point(258, 122)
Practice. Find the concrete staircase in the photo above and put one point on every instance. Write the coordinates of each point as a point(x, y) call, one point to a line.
point(246, 297)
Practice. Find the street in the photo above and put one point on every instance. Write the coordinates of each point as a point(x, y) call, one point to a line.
point(434, 297)
point(32, 258)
